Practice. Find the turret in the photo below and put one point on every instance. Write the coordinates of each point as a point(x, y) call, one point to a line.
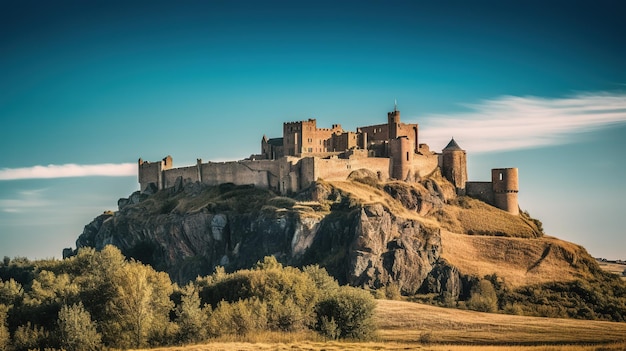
point(505, 183)
point(393, 120)
point(454, 166)
point(401, 150)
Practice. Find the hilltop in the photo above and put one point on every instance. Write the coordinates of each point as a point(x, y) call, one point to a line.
point(417, 239)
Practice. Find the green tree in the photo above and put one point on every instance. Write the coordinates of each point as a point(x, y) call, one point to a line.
point(141, 305)
point(192, 320)
point(483, 297)
point(76, 329)
point(351, 310)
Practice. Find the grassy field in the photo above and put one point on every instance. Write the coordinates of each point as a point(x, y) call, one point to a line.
point(407, 322)
point(413, 326)
point(615, 268)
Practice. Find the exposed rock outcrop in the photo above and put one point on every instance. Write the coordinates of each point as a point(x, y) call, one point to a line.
point(188, 230)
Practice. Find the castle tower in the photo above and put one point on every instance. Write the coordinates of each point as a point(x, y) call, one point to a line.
point(393, 120)
point(505, 183)
point(401, 150)
point(454, 166)
point(152, 172)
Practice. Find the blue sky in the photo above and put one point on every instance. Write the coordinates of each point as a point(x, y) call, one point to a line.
point(89, 87)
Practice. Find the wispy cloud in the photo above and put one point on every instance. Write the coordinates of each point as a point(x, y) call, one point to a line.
point(25, 199)
point(69, 170)
point(510, 122)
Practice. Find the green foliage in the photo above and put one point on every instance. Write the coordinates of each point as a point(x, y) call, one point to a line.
point(28, 337)
point(240, 317)
point(76, 329)
point(603, 299)
point(483, 297)
point(288, 294)
point(350, 309)
point(191, 319)
point(4, 330)
point(11, 292)
point(141, 304)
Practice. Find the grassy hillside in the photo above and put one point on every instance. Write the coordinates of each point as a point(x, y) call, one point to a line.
point(518, 261)
point(400, 321)
point(413, 326)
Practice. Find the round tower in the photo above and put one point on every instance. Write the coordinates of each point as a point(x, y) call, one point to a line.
point(505, 183)
point(454, 166)
point(401, 150)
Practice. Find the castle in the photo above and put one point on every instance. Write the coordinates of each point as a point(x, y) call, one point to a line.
point(306, 153)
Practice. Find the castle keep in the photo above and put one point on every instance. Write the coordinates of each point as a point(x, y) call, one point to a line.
point(306, 153)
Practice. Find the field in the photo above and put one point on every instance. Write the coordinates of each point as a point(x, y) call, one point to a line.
point(616, 268)
point(413, 326)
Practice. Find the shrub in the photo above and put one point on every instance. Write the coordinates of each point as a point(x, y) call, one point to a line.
point(240, 317)
point(483, 297)
point(351, 310)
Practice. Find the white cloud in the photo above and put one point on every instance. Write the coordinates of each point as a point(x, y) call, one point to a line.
point(69, 170)
point(26, 199)
point(511, 122)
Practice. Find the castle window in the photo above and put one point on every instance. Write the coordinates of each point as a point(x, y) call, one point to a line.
point(407, 156)
point(500, 176)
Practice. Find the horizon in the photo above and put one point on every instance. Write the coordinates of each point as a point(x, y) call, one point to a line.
point(90, 88)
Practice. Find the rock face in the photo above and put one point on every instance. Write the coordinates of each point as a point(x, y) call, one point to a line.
point(362, 245)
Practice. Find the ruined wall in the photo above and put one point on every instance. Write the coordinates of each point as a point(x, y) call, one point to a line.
point(339, 169)
point(263, 173)
point(424, 165)
point(480, 190)
point(188, 174)
point(345, 141)
point(151, 172)
point(376, 133)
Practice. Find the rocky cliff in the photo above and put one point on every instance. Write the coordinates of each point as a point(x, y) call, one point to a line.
point(188, 230)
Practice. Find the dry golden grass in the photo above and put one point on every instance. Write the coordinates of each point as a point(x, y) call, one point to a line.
point(366, 194)
point(519, 261)
point(383, 346)
point(406, 326)
point(477, 217)
point(615, 268)
point(407, 322)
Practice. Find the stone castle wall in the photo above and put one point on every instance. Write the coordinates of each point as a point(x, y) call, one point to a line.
point(288, 174)
point(482, 191)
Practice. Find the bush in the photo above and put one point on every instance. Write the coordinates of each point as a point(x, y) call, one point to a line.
point(351, 310)
point(240, 318)
point(483, 297)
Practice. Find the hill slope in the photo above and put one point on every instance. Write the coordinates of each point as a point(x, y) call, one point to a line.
point(412, 237)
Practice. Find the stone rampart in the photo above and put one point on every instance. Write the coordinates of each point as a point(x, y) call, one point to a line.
point(480, 190)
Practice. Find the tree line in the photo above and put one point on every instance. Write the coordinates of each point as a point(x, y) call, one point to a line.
point(99, 299)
